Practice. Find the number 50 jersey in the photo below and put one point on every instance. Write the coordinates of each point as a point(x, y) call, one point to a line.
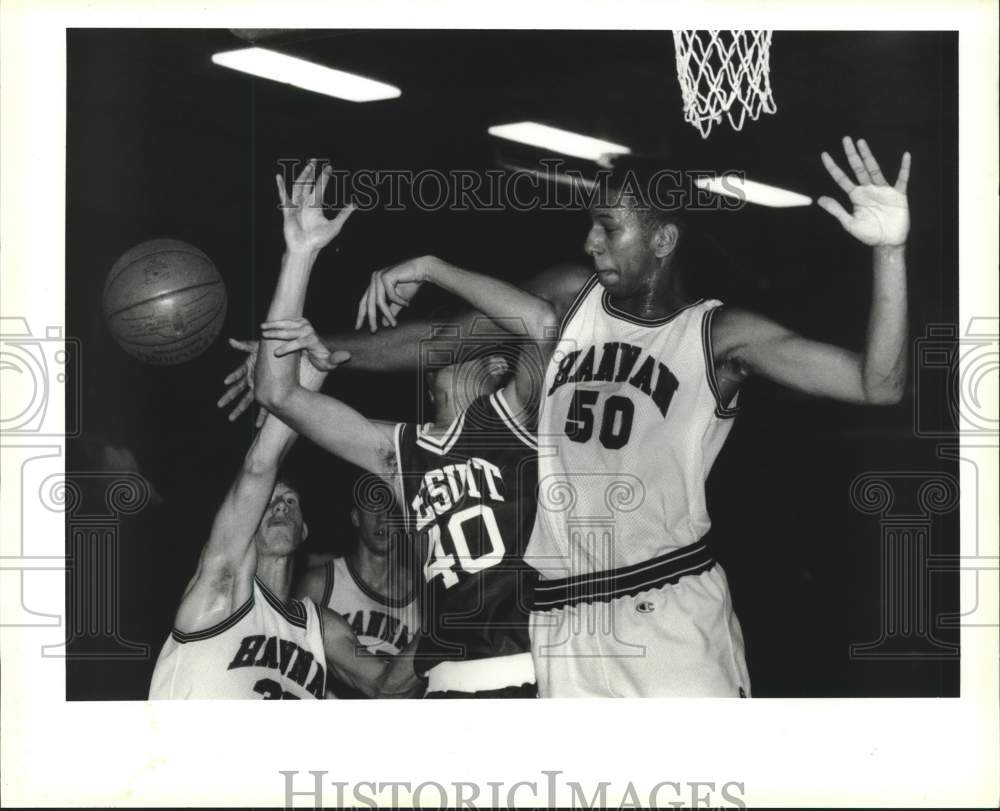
point(633, 409)
point(473, 491)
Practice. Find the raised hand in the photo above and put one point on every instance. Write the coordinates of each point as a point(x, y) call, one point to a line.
point(297, 335)
point(389, 291)
point(881, 217)
point(306, 227)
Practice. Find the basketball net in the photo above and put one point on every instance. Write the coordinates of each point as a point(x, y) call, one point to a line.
point(723, 73)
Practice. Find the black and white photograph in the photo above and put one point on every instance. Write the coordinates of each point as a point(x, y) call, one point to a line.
point(476, 359)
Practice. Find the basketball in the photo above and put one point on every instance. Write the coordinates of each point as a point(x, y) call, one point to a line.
point(164, 302)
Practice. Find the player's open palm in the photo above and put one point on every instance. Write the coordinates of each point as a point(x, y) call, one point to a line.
point(881, 215)
point(306, 226)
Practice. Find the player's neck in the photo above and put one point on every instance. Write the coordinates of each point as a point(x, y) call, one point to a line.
point(663, 295)
point(448, 409)
point(276, 574)
point(372, 569)
point(444, 416)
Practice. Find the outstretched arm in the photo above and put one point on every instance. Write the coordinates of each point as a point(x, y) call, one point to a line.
point(398, 349)
point(520, 313)
point(328, 422)
point(307, 231)
point(753, 344)
point(395, 349)
point(224, 577)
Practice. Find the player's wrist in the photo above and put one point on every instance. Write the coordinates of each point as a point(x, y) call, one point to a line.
point(428, 267)
point(298, 262)
point(301, 251)
point(889, 253)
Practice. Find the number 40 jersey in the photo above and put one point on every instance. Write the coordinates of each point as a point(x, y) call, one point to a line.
point(473, 491)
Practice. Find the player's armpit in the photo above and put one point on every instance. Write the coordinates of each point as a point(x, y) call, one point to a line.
point(760, 346)
point(219, 587)
point(347, 658)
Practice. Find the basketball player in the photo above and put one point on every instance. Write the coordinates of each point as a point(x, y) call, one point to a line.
point(468, 479)
point(237, 633)
point(639, 396)
point(369, 587)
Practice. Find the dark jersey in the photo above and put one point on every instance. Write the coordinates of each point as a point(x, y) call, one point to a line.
point(473, 490)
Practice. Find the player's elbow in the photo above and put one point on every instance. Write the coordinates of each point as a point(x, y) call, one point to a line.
point(887, 388)
point(885, 395)
point(272, 393)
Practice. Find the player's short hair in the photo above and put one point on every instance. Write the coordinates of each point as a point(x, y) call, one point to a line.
point(439, 353)
point(650, 187)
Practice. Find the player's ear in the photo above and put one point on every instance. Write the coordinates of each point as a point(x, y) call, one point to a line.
point(355, 518)
point(497, 366)
point(665, 239)
point(305, 531)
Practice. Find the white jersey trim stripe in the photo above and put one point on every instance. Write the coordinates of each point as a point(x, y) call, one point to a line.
point(507, 415)
point(577, 302)
point(624, 582)
point(441, 445)
point(722, 410)
point(219, 627)
point(295, 612)
point(637, 568)
point(612, 310)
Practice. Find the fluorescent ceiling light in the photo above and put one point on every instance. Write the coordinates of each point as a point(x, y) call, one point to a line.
point(557, 140)
point(554, 177)
point(308, 75)
point(753, 192)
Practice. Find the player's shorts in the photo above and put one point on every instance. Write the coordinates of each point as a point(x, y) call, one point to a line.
point(497, 677)
point(665, 627)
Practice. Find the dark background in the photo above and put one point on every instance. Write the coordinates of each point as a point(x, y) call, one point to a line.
point(162, 143)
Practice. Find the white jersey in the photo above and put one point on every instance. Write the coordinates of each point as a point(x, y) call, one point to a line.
point(265, 649)
point(630, 600)
point(381, 624)
point(631, 423)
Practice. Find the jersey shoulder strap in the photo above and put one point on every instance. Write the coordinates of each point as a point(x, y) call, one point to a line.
point(585, 291)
